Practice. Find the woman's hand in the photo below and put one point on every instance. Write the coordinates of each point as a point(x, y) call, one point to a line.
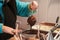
point(10, 30)
point(33, 5)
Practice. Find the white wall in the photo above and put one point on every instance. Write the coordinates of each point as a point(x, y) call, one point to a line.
point(48, 11)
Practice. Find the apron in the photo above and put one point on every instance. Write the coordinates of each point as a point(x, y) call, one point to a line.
point(9, 12)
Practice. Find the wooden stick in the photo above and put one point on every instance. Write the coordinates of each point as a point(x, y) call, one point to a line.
point(16, 35)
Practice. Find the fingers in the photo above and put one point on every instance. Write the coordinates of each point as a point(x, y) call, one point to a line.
point(15, 32)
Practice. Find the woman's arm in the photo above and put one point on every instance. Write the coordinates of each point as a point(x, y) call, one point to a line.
point(5, 29)
point(26, 9)
point(8, 30)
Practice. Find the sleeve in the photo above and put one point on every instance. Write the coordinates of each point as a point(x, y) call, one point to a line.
point(1, 24)
point(1, 28)
point(23, 9)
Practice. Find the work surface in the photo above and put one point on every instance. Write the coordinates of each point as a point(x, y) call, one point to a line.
point(45, 27)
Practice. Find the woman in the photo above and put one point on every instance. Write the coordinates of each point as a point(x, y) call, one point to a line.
point(24, 9)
